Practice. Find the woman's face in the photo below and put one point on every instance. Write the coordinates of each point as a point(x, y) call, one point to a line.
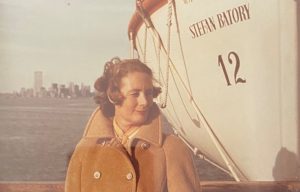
point(137, 89)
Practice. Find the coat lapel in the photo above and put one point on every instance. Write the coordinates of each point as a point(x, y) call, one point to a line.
point(99, 126)
point(151, 130)
point(102, 127)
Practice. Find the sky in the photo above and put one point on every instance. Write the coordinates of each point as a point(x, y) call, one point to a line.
point(68, 40)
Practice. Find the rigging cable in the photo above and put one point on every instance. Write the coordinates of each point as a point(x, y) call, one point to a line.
point(223, 152)
point(169, 24)
point(140, 46)
point(157, 53)
point(161, 80)
point(145, 44)
point(181, 48)
point(131, 52)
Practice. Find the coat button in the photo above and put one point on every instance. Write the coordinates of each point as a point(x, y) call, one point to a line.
point(145, 145)
point(129, 176)
point(97, 174)
point(103, 143)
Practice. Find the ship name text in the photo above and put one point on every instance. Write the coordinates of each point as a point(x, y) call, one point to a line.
point(220, 20)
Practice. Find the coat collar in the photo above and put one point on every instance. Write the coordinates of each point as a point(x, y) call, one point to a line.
point(102, 127)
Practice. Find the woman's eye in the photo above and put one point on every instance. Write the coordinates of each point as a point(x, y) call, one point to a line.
point(134, 94)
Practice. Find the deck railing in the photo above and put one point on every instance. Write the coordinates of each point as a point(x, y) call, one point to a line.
point(207, 186)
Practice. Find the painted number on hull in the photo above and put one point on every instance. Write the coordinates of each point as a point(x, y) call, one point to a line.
point(237, 79)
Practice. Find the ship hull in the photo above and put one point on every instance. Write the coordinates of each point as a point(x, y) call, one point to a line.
point(234, 92)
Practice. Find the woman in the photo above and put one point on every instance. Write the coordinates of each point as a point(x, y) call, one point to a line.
point(123, 147)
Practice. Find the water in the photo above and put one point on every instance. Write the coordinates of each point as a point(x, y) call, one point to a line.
point(37, 136)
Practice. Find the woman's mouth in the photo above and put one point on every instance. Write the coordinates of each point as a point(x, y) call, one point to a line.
point(142, 112)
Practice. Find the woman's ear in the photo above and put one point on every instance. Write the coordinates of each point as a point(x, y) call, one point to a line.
point(110, 99)
point(156, 91)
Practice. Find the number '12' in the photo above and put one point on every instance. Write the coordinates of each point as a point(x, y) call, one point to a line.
point(236, 70)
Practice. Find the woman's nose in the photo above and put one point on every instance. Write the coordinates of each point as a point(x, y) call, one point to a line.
point(143, 100)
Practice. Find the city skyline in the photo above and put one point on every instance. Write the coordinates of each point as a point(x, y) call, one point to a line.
point(38, 83)
point(56, 91)
point(71, 43)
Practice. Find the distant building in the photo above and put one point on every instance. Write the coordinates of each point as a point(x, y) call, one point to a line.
point(85, 90)
point(25, 92)
point(53, 90)
point(56, 90)
point(38, 83)
point(72, 90)
point(63, 91)
point(77, 90)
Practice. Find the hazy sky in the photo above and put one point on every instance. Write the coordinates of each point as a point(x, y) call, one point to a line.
point(69, 40)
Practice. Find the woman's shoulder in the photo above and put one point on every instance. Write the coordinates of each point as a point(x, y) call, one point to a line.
point(85, 144)
point(173, 142)
point(177, 154)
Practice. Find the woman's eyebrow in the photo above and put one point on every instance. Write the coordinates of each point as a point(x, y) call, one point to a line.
point(133, 90)
point(137, 90)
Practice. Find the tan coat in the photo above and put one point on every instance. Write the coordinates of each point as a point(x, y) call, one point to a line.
point(158, 163)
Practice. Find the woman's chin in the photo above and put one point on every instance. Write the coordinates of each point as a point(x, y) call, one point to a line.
point(140, 119)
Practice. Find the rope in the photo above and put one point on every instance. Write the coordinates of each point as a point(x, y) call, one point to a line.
point(174, 111)
point(163, 101)
point(139, 45)
point(202, 156)
point(157, 53)
point(131, 52)
point(181, 48)
point(182, 101)
point(169, 24)
point(160, 79)
point(224, 154)
point(173, 119)
point(145, 44)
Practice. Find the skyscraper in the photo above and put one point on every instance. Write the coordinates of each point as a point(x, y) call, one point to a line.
point(38, 82)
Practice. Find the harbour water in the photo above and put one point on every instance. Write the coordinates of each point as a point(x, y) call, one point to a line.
point(37, 136)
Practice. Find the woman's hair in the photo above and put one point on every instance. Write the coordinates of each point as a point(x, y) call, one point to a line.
point(107, 86)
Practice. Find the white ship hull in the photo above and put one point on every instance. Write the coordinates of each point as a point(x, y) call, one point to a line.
point(238, 100)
